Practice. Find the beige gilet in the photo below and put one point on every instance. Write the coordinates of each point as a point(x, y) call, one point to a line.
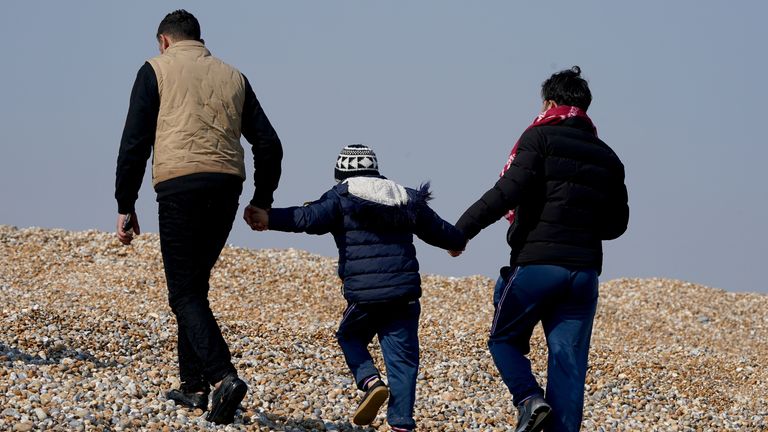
point(201, 105)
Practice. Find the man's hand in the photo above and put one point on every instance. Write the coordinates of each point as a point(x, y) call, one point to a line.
point(256, 218)
point(126, 236)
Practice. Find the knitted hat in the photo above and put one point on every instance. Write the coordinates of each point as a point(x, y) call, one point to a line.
point(356, 160)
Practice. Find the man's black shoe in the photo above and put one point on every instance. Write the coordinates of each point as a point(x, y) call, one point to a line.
point(189, 398)
point(531, 414)
point(373, 399)
point(226, 399)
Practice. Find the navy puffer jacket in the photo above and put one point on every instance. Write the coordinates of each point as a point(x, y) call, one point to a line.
point(373, 220)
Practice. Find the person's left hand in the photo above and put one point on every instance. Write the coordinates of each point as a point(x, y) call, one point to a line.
point(454, 253)
point(256, 218)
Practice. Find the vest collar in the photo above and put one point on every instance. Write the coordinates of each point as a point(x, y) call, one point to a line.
point(188, 45)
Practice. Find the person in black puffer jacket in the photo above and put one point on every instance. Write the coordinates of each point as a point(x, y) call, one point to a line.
point(373, 221)
point(563, 189)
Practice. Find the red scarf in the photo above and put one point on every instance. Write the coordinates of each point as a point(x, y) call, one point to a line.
point(552, 116)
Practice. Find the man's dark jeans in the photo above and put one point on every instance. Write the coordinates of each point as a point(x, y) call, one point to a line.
point(194, 226)
point(564, 301)
point(397, 325)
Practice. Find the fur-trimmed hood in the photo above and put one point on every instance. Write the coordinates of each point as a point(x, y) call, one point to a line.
point(379, 202)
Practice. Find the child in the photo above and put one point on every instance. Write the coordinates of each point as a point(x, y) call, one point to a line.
point(373, 220)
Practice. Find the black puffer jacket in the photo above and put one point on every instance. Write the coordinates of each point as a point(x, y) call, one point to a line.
point(373, 220)
point(567, 188)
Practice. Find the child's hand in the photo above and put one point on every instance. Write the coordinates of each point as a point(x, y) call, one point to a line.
point(454, 253)
point(256, 218)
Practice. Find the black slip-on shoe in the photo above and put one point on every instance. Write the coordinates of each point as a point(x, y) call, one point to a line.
point(226, 399)
point(188, 399)
point(531, 414)
point(373, 399)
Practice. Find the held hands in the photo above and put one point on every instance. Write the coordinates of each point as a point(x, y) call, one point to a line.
point(127, 226)
point(256, 218)
point(455, 253)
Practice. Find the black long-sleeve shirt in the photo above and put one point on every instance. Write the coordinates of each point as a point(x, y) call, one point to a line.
point(139, 138)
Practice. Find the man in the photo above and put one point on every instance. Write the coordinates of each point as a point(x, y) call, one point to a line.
point(567, 190)
point(190, 109)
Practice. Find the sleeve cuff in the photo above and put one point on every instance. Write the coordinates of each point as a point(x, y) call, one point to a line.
point(279, 219)
point(467, 231)
point(262, 203)
point(126, 208)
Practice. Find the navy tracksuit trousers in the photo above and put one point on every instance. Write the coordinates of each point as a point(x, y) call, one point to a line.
point(397, 326)
point(564, 301)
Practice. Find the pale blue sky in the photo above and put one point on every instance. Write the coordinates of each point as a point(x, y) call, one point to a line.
point(440, 90)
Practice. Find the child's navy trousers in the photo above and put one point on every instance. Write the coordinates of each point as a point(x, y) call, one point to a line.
point(397, 326)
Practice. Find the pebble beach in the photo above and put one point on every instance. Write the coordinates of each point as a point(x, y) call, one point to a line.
point(88, 341)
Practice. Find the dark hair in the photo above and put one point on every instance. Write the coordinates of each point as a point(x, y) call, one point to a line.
point(567, 87)
point(179, 25)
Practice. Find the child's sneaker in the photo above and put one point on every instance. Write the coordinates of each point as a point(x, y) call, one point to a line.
point(375, 395)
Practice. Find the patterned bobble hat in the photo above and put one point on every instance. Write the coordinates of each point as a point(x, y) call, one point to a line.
point(356, 160)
